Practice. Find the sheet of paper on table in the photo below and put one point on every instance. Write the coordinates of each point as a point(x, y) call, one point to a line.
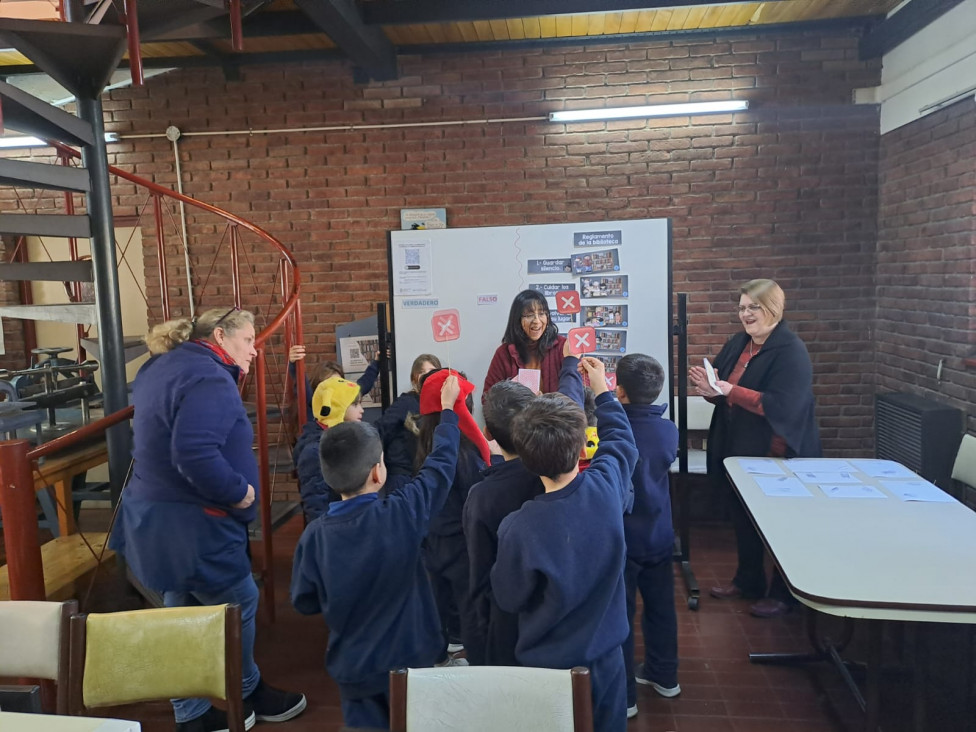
point(849, 490)
point(917, 490)
point(882, 469)
point(760, 466)
point(817, 476)
point(785, 485)
point(819, 465)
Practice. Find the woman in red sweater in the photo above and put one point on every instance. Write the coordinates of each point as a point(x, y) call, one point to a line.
point(531, 341)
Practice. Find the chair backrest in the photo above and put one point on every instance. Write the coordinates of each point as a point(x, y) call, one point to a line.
point(160, 653)
point(490, 698)
point(964, 469)
point(34, 642)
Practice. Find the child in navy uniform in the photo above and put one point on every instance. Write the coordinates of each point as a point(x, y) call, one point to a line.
point(360, 564)
point(504, 488)
point(561, 556)
point(446, 553)
point(335, 400)
point(398, 426)
point(649, 531)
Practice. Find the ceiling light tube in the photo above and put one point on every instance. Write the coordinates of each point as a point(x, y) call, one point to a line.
point(653, 110)
point(21, 142)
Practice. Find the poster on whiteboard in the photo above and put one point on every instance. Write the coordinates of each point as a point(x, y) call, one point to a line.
point(621, 270)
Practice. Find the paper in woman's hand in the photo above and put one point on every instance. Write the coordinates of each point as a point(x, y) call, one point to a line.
point(712, 377)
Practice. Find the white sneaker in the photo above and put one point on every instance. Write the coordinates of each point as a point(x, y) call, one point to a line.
point(668, 692)
point(452, 662)
point(455, 647)
point(631, 712)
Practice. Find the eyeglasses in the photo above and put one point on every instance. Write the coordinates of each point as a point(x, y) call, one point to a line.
point(529, 317)
point(754, 308)
point(226, 315)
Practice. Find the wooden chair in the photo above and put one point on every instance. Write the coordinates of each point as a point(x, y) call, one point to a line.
point(490, 698)
point(34, 642)
point(160, 653)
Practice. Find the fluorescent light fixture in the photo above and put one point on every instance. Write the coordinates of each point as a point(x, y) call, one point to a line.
point(19, 142)
point(653, 110)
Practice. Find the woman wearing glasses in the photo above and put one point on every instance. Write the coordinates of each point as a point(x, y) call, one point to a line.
point(185, 511)
point(531, 341)
point(763, 408)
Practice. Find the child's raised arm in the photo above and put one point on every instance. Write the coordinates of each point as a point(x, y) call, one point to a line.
point(570, 381)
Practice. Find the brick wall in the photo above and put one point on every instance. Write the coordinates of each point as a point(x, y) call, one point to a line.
point(787, 190)
point(927, 258)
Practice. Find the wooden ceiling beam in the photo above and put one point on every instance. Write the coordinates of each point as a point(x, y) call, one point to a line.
point(397, 12)
point(368, 48)
point(895, 30)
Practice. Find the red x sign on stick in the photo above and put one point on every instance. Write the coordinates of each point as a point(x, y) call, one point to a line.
point(567, 301)
point(581, 340)
point(446, 325)
point(611, 381)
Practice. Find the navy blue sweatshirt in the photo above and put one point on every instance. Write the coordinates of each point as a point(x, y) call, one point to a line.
point(503, 490)
point(561, 557)
point(648, 528)
point(447, 521)
point(193, 458)
point(360, 566)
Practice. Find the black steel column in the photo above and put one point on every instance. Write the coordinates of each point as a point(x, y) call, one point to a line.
point(105, 269)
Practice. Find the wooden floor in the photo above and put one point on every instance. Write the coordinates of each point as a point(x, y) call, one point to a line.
point(721, 690)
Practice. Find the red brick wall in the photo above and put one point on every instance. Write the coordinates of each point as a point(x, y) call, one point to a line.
point(787, 190)
point(927, 258)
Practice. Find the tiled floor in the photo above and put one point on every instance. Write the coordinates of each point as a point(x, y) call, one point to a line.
point(721, 690)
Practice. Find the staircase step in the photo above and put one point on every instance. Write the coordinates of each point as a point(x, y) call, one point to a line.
point(77, 271)
point(75, 312)
point(76, 226)
point(38, 175)
point(33, 116)
point(133, 346)
point(78, 56)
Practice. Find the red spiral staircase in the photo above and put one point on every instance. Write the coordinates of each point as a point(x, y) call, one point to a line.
point(250, 250)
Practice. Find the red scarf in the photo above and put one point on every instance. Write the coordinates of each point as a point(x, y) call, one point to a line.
point(430, 403)
point(225, 358)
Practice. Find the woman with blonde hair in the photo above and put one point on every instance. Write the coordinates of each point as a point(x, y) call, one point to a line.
point(763, 408)
point(184, 514)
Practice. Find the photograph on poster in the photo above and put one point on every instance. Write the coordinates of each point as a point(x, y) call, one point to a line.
point(604, 286)
point(610, 362)
point(600, 316)
point(607, 260)
point(611, 340)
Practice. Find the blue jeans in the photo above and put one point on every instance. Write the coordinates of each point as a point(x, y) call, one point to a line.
point(655, 581)
point(243, 593)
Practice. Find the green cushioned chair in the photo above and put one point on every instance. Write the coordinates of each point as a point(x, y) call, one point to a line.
point(160, 653)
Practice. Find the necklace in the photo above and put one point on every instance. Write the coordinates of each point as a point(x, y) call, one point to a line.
point(752, 352)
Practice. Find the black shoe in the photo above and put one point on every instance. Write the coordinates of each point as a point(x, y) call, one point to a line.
point(274, 705)
point(215, 720)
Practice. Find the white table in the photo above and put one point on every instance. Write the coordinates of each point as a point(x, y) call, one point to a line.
point(15, 722)
point(875, 559)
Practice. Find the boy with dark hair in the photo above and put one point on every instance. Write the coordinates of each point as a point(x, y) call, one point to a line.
point(360, 563)
point(561, 556)
point(649, 531)
point(504, 488)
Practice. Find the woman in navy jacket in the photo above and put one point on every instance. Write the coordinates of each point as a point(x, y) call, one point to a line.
point(764, 408)
point(184, 515)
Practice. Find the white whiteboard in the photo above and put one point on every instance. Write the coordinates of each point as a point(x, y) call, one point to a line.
point(479, 271)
